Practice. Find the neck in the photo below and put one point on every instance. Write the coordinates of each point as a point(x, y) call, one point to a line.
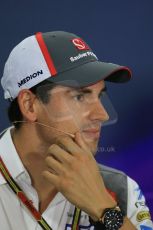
point(32, 153)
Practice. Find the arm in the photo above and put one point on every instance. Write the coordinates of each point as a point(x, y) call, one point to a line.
point(74, 172)
point(137, 210)
point(98, 222)
point(127, 224)
point(138, 216)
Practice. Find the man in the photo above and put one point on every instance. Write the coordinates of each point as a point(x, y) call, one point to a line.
point(49, 177)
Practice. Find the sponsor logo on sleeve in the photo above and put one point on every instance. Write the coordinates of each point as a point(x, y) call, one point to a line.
point(140, 204)
point(139, 192)
point(143, 227)
point(143, 215)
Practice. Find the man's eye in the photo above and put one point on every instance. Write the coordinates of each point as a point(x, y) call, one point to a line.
point(79, 97)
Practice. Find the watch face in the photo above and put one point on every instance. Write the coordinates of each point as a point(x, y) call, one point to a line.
point(113, 219)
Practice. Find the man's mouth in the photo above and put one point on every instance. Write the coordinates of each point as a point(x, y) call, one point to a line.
point(91, 133)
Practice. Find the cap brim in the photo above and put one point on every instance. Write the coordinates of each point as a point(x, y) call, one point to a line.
point(92, 72)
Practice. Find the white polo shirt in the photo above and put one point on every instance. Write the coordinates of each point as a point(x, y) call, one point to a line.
point(59, 214)
point(13, 214)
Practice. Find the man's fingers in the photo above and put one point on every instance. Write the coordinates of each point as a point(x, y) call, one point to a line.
point(59, 153)
point(52, 178)
point(69, 145)
point(54, 165)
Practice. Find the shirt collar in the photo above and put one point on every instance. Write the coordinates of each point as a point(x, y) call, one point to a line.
point(14, 164)
point(10, 156)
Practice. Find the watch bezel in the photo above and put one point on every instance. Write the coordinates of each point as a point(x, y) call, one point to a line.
point(104, 221)
point(113, 219)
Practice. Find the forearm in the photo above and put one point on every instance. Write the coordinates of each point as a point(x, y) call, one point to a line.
point(127, 225)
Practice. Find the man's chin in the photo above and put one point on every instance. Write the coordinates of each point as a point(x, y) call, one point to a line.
point(93, 150)
point(92, 145)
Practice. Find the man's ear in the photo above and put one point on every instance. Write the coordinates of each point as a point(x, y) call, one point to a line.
point(27, 103)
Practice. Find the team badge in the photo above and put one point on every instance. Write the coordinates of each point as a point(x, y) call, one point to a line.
point(80, 44)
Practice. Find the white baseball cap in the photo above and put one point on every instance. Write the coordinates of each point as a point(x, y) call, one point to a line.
point(56, 56)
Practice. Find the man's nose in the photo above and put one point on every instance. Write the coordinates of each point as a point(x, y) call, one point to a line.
point(98, 112)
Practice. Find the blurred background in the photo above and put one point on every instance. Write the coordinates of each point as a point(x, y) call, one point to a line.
point(120, 32)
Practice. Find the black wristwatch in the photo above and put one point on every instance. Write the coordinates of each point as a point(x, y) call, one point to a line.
point(112, 219)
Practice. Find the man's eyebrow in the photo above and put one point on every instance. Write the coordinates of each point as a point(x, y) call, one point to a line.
point(85, 90)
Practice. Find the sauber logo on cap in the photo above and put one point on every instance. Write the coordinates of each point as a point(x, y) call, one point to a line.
point(80, 44)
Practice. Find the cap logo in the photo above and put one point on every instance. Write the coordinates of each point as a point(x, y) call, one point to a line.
point(79, 44)
point(29, 78)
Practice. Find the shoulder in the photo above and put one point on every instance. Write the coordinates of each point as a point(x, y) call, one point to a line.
point(114, 178)
point(119, 181)
point(105, 170)
point(116, 181)
point(129, 196)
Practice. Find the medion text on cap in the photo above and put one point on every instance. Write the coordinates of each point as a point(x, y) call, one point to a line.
point(30, 77)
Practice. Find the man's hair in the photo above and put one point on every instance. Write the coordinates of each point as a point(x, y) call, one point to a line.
point(41, 90)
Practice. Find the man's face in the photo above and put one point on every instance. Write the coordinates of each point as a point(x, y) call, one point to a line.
point(71, 110)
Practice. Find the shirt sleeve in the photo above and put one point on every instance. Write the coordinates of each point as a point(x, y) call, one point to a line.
point(137, 210)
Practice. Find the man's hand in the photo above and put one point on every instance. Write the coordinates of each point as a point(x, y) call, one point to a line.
point(73, 170)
